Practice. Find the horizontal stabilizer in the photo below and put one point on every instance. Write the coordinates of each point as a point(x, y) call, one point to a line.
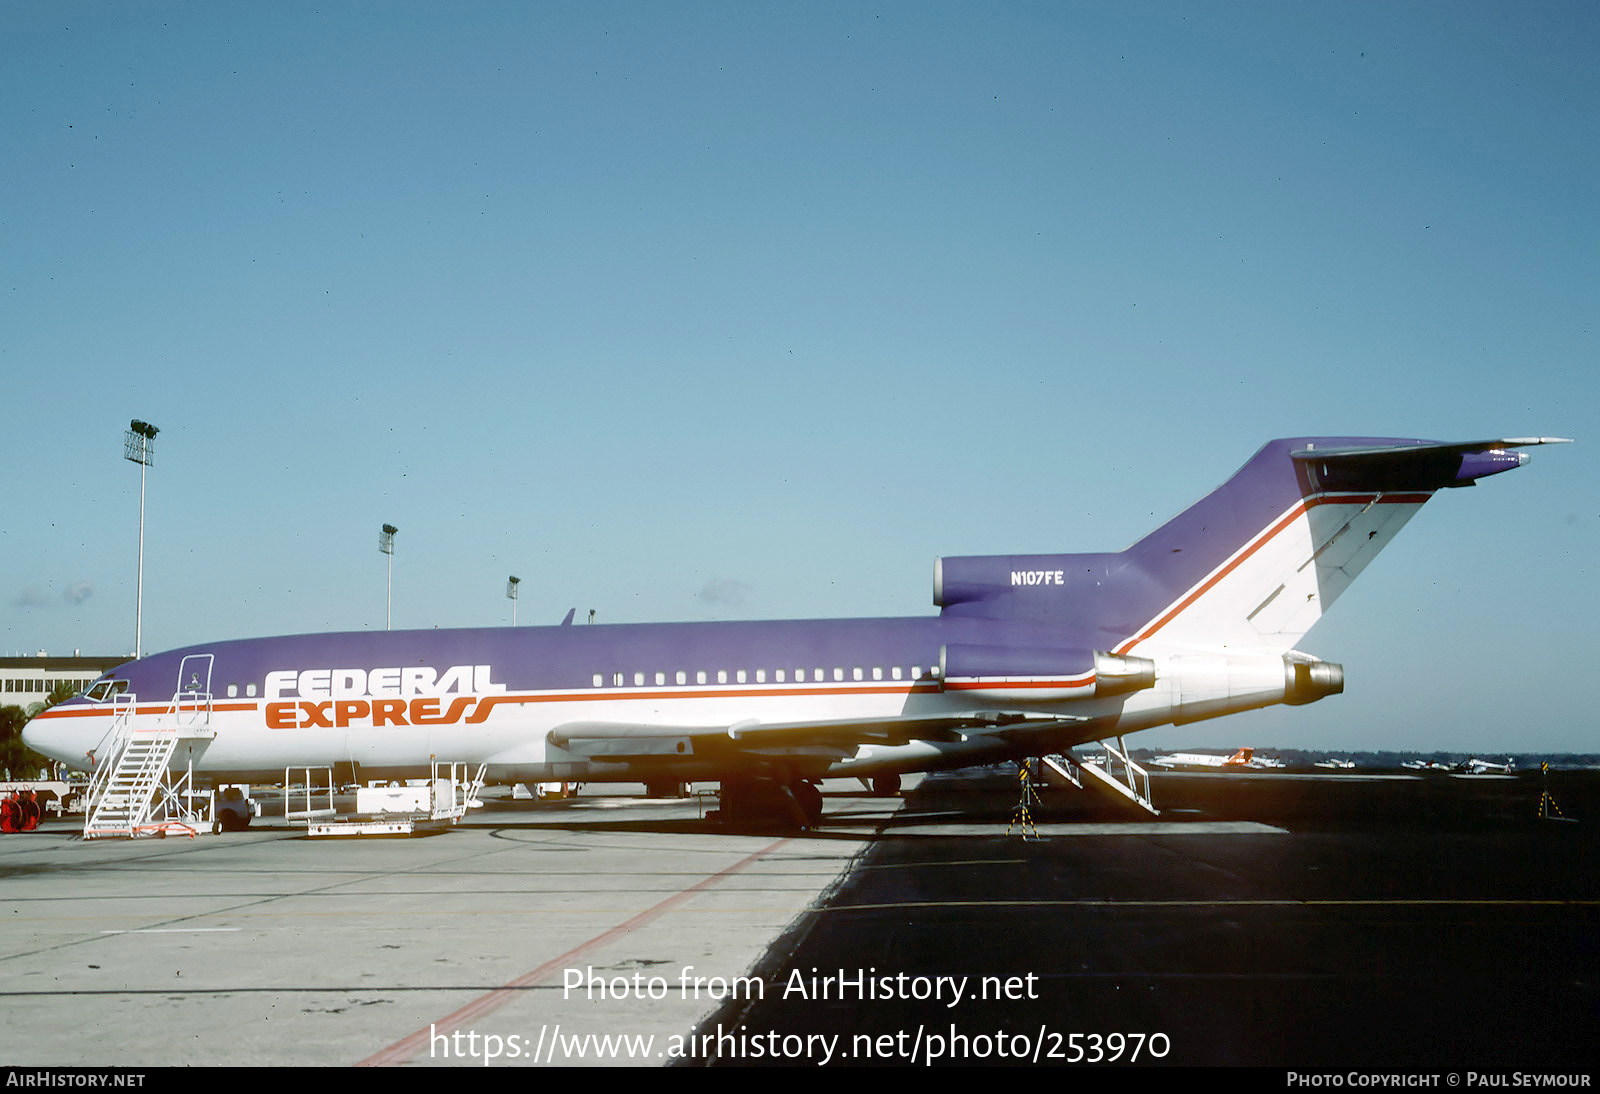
point(1418, 465)
point(1427, 446)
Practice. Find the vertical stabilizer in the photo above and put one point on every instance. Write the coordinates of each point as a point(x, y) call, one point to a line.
point(1281, 540)
point(1250, 567)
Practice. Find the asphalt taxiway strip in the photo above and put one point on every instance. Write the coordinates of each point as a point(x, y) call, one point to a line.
point(1370, 925)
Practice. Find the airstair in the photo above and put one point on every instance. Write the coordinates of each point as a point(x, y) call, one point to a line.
point(133, 791)
point(1116, 772)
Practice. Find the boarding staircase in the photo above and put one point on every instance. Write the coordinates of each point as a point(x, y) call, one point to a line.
point(132, 791)
point(1117, 772)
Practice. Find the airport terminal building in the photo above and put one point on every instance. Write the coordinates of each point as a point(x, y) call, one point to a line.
point(27, 680)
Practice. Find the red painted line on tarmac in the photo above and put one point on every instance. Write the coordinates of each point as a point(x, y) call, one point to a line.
point(407, 1047)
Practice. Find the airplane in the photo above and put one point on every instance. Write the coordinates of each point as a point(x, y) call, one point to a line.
point(1027, 656)
point(1240, 759)
point(1475, 766)
point(1427, 765)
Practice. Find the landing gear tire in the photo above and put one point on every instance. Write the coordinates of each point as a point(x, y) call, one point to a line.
point(768, 803)
point(229, 820)
point(809, 799)
point(886, 786)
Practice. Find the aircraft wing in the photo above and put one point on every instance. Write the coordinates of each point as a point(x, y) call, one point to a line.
point(625, 740)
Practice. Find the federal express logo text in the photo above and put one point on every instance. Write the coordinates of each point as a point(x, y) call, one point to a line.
point(403, 695)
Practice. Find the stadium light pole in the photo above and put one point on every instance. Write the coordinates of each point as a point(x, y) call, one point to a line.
point(386, 545)
point(511, 594)
point(139, 445)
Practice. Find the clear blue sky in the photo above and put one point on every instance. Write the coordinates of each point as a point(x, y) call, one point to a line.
point(700, 311)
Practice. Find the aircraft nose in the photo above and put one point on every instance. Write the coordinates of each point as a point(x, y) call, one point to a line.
point(50, 738)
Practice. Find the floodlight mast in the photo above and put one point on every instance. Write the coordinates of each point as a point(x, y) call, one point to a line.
point(511, 593)
point(139, 445)
point(386, 545)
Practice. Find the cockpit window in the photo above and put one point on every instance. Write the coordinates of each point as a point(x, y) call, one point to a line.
point(102, 690)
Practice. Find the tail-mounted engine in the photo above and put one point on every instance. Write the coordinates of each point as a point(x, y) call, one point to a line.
point(968, 667)
point(1306, 681)
point(1210, 685)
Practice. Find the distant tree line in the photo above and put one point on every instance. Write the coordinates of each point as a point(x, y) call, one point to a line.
point(23, 762)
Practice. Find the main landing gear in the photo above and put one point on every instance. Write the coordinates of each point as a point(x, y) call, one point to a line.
point(794, 804)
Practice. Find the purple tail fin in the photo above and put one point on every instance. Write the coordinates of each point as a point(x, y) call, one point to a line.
point(1251, 566)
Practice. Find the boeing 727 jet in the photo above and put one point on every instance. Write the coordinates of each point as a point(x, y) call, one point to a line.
point(1027, 656)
